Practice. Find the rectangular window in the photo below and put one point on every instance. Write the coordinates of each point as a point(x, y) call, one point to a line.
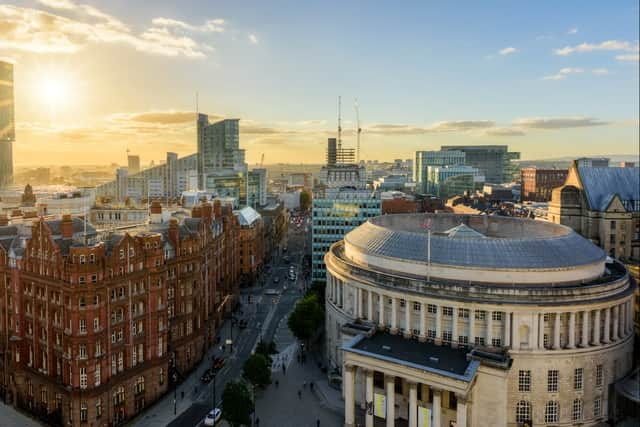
point(96, 323)
point(83, 411)
point(97, 374)
point(576, 413)
point(447, 311)
point(481, 315)
point(551, 412)
point(402, 303)
point(83, 351)
point(98, 408)
point(599, 375)
point(496, 342)
point(496, 315)
point(432, 308)
point(431, 334)
point(479, 341)
point(416, 306)
point(524, 381)
point(597, 407)
point(552, 381)
point(463, 340)
point(463, 313)
point(446, 336)
point(83, 377)
point(83, 326)
point(578, 378)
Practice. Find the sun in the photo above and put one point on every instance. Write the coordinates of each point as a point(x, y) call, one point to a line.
point(55, 91)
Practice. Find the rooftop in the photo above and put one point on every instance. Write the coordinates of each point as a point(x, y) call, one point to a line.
point(601, 184)
point(438, 359)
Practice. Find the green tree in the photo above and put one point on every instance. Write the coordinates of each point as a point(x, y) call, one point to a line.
point(237, 404)
point(306, 317)
point(305, 200)
point(266, 347)
point(257, 370)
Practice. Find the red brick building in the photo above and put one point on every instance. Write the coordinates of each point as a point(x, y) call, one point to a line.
point(251, 241)
point(91, 326)
point(537, 184)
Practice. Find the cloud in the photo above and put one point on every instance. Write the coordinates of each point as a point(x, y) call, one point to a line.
point(629, 57)
point(253, 39)
point(36, 31)
point(563, 73)
point(445, 126)
point(573, 30)
point(504, 132)
point(508, 51)
point(600, 71)
point(557, 123)
point(610, 45)
point(160, 117)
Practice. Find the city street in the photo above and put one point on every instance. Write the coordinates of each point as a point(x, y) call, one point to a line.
point(270, 303)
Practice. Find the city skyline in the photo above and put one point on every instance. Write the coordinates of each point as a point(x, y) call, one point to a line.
point(547, 80)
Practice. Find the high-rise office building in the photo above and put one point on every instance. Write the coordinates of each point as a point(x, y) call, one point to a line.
point(537, 184)
point(219, 147)
point(7, 123)
point(494, 161)
point(133, 164)
point(424, 159)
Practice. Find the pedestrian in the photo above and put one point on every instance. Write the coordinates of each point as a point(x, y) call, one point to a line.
point(182, 394)
point(304, 384)
point(277, 383)
point(318, 422)
point(284, 369)
point(300, 394)
point(311, 385)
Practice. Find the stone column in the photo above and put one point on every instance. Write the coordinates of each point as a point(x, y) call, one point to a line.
point(541, 331)
point(349, 396)
point(436, 409)
point(616, 322)
point(596, 327)
point(507, 329)
point(394, 315)
point(489, 334)
point(454, 327)
point(391, 400)
point(472, 327)
point(369, 397)
point(423, 322)
point(438, 339)
point(381, 324)
point(407, 318)
point(607, 325)
point(556, 331)
point(629, 318)
point(359, 303)
point(413, 404)
point(515, 341)
point(461, 412)
point(584, 342)
point(572, 330)
point(340, 294)
point(535, 332)
point(369, 306)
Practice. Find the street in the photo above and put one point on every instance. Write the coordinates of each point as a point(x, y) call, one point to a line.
point(270, 302)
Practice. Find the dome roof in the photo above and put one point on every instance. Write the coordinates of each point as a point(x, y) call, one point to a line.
point(475, 241)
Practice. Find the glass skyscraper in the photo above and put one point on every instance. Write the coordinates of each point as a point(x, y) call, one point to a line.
point(7, 123)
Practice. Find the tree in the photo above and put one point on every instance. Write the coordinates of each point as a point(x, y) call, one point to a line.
point(237, 404)
point(266, 348)
point(305, 200)
point(257, 370)
point(306, 317)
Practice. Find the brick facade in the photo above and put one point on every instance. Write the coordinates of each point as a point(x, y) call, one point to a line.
point(90, 325)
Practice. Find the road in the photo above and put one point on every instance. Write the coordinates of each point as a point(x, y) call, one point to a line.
point(269, 303)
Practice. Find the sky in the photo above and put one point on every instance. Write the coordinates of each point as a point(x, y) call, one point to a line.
point(95, 78)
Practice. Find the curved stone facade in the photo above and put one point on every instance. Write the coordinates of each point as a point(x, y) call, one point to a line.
point(562, 316)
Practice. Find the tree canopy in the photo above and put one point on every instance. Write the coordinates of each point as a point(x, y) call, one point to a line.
point(306, 317)
point(237, 404)
point(257, 370)
point(305, 200)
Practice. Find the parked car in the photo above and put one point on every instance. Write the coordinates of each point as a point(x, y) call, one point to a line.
point(207, 376)
point(218, 363)
point(213, 417)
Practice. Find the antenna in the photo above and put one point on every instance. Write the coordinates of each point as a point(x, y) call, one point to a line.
point(359, 130)
point(197, 105)
point(339, 123)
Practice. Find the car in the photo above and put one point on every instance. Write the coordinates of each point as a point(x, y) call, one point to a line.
point(212, 417)
point(276, 280)
point(217, 363)
point(207, 376)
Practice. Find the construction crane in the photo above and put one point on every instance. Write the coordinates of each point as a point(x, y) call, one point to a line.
point(339, 123)
point(358, 131)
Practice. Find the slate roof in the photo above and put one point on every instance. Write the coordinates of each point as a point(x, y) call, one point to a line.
point(427, 356)
point(528, 245)
point(601, 184)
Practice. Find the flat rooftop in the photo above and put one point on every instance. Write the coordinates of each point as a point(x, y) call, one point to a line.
point(438, 359)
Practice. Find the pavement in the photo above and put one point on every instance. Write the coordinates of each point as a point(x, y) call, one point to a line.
point(9, 416)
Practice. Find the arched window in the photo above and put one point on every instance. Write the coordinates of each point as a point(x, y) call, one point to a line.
point(523, 411)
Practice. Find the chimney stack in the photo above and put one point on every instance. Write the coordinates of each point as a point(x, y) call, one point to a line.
point(217, 209)
point(66, 226)
point(174, 232)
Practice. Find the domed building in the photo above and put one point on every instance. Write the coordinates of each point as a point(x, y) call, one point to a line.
point(443, 319)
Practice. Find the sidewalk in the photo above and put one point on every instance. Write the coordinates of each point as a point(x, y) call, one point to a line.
point(9, 416)
point(162, 412)
point(280, 406)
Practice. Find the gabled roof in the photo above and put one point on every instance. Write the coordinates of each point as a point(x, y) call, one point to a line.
point(601, 184)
